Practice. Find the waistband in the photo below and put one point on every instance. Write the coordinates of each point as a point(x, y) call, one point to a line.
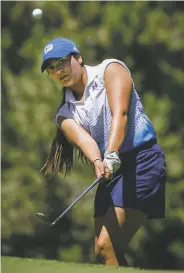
point(144, 146)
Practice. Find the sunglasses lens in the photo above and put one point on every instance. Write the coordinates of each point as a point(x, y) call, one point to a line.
point(56, 65)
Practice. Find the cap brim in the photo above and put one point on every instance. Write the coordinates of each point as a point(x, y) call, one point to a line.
point(51, 56)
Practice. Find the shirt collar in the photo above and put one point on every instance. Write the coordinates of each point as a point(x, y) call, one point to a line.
point(69, 97)
point(92, 71)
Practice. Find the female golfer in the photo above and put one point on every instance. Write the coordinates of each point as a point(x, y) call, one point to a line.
point(102, 116)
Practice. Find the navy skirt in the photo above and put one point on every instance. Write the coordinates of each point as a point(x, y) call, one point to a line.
point(138, 184)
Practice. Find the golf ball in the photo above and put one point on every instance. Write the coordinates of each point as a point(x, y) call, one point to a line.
point(37, 13)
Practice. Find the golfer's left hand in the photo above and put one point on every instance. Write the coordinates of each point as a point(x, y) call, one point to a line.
point(101, 170)
point(112, 162)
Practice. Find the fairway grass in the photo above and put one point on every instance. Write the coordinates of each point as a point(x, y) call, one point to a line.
point(20, 265)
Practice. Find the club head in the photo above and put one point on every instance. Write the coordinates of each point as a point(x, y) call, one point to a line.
point(44, 219)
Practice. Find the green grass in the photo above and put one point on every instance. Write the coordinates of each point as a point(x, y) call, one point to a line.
point(18, 265)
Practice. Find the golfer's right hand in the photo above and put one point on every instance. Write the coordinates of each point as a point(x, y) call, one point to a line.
point(101, 169)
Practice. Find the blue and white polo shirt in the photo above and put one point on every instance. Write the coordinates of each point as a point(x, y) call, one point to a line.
point(94, 115)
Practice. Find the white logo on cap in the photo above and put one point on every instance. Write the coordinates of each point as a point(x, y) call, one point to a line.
point(48, 48)
point(74, 48)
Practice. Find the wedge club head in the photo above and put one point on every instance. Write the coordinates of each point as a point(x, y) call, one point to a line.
point(44, 219)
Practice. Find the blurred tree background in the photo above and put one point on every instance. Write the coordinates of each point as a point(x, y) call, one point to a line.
point(149, 38)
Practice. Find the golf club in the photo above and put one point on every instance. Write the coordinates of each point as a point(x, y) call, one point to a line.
point(46, 221)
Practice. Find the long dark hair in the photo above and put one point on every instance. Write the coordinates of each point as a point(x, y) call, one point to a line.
point(62, 155)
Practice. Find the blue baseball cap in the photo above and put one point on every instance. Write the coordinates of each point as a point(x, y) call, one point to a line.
point(58, 48)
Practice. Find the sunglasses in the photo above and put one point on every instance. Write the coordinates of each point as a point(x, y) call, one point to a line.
point(57, 65)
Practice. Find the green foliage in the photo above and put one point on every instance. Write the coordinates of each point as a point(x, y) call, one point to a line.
point(148, 37)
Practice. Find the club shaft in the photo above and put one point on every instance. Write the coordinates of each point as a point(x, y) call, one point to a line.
point(86, 191)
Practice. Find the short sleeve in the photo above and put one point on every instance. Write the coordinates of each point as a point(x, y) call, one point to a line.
point(106, 62)
point(64, 111)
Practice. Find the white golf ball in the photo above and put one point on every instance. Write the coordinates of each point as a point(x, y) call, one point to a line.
point(37, 13)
